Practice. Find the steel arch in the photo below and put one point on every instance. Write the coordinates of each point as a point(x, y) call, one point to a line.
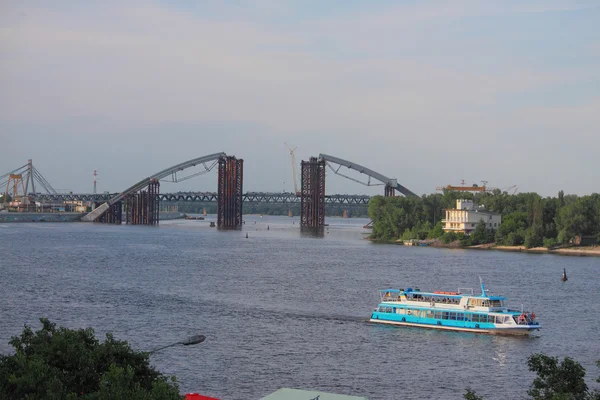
point(144, 182)
point(369, 172)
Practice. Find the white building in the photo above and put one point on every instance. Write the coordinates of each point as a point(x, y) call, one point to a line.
point(465, 217)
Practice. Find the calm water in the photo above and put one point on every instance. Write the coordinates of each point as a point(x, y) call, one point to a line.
point(284, 310)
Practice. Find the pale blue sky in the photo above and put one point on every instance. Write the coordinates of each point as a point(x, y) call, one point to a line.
point(430, 92)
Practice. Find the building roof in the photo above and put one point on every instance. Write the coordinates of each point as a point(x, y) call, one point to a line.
point(297, 394)
point(476, 210)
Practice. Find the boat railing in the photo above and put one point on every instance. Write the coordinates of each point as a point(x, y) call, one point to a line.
point(465, 291)
point(525, 318)
point(387, 296)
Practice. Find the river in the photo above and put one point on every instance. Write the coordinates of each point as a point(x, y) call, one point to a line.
point(281, 309)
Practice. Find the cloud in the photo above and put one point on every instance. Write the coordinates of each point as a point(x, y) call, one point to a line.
point(371, 80)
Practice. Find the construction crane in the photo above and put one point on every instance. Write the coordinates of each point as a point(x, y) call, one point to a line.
point(515, 187)
point(293, 167)
point(463, 188)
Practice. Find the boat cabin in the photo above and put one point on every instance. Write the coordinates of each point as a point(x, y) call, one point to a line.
point(463, 298)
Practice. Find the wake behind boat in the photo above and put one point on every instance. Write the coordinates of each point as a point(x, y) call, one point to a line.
point(456, 311)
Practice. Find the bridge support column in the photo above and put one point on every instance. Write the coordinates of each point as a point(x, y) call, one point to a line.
point(312, 197)
point(229, 193)
point(143, 208)
point(389, 191)
point(113, 215)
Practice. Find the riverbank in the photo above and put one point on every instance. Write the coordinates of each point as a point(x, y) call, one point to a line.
point(580, 251)
point(593, 251)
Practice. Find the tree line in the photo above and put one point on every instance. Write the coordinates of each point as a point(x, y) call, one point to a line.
point(527, 218)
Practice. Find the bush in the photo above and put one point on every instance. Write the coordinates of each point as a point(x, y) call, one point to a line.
point(532, 240)
point(436, 231)
point(550, 242)
point(60, 363)
point(515, 238)
point(449, 237)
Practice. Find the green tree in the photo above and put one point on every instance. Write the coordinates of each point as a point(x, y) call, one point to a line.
point(449, 237)
point(479, 235)
point(511, 231)
point(60, 363)
point(578, 218)
point(471, 395)
point(564, 380)
point(436, 232)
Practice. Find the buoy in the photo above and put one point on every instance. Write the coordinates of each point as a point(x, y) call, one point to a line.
point(564, 275)
point(267, 227)
point(246, 235)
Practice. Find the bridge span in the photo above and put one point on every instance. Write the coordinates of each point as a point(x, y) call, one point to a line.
point(140, 202)
point(209, 197)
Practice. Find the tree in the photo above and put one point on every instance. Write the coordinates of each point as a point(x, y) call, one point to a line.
point(557, 381)
point(471, 395)
point(436, 232)
point(60, 363)
point(554, 381)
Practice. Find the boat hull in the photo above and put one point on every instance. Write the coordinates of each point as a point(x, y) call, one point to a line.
point(512, 331)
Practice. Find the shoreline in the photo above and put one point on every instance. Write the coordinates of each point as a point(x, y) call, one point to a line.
point(578, 251)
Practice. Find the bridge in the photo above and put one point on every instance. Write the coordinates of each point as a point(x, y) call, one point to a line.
point(285, 198)
point(140, 202)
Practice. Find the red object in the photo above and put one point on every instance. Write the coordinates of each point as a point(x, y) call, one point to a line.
point(196, 396)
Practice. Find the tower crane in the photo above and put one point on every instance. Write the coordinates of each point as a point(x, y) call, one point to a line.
point(293, 167)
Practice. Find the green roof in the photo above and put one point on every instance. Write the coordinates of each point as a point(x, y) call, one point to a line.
point(297, 394)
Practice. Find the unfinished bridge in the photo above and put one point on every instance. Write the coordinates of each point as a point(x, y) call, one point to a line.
point(139, 204)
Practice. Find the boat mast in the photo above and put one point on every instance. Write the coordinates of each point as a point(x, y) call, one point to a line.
point(482, 287)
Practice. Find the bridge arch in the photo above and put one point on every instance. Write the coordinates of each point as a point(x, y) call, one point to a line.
point(146, 181)
point(388, 182)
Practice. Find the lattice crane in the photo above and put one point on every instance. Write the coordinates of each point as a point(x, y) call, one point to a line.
point(294, 167)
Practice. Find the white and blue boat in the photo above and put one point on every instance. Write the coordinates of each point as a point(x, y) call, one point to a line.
point(456, 311)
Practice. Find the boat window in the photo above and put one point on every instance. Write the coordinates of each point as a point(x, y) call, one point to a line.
point(429, 314)
point(452, 316)
point(460, 316)
point(506, 319)
point(437, 314)
point(496, 303)
point(471, 302)
point(445, 315)
point(388, 309)
point(483, 318)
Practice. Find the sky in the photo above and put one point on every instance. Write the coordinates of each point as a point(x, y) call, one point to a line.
point(428, 92)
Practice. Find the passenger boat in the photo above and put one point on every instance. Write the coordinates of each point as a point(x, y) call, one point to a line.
point(456, 311)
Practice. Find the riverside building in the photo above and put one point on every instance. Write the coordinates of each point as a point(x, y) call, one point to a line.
point(465, 217)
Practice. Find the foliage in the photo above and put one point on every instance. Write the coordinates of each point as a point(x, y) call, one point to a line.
point(550, 242)
point(471, 395)
point(527, 218)
point(480, 235)
point(60, 363)
point(436, 232)
point(554, 380)
point(449, 237)
point(511, 231)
